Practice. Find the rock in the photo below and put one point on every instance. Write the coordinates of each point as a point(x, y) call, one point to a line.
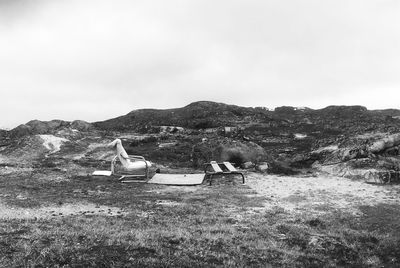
point(21, 197)
point(44, 127)
point(349, 154)
point(20, 131)
point(299, 136)
point(55, 124)
point(385, 143)
point(379, 176)
point(167, 145)
point(245, 138)
point(262, 167)
point(247, 165)
point(316, 165)
point(37, 127)
point(81, 125)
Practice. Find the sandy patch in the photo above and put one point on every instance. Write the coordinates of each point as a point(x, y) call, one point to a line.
point(3, 159)
point(330, 148)
point(7, 170)
point(167, 203)
point(52, 143)
point(59, 211)
point(315, 194)
point(173, 189)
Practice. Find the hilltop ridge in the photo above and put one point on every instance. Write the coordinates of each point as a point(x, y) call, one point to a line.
point(208, 114)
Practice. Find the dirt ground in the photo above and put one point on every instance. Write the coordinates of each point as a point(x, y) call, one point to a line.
point(315, 195)
point(50, 218)
point(318, 194)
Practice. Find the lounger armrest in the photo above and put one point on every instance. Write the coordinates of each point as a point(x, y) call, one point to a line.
point(139, 158)
point(136, 157)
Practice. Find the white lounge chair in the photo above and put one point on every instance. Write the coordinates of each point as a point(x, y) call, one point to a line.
point(137, 167)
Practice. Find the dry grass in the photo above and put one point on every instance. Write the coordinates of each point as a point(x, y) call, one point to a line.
point(226, 225)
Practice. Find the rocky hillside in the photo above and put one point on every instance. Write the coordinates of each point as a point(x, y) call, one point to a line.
point(203, 114)
point(197, 115)
point(344, 140)
point(48, 127)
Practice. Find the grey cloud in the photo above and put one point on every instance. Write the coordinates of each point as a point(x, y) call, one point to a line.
point(168, 53)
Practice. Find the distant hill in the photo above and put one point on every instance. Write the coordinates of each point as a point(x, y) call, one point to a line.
point(205, 114)
point(47, 127)
point(197, 115)
point(332, 120)
point(3, 132)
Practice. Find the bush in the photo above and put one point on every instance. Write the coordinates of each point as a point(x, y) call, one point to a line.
point(203, 124)
point(149, 139)
point(234, 156)
point(280, 167)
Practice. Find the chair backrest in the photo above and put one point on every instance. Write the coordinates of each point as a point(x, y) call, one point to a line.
point(216, 167)
point(230, 167)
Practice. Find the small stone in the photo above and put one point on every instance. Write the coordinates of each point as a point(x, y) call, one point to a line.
point(21, 197)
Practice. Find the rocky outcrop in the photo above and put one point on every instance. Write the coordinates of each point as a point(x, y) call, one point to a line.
point(81, 125)
point(20, 131)
point(36, 127)
point(364, 156)
point(43, 127)
point(385, 144)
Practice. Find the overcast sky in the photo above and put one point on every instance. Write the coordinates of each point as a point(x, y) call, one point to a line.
point(98, 59)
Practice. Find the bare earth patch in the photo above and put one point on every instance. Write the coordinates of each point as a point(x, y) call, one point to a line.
point(316, 194)
point(7, 212)
point(52, 143)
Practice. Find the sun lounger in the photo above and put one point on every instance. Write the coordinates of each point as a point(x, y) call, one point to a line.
point(226, 168)
point(138, 168)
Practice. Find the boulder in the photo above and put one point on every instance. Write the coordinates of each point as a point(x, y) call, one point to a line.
point(385, 143)
point(262, 167)
point(247, 165)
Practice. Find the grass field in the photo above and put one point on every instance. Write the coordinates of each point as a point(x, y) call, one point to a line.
point(48, 219)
